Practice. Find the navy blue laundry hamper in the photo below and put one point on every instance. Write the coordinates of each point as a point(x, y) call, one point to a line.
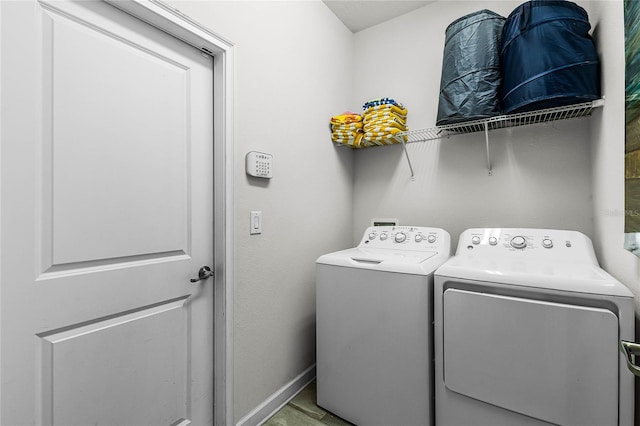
point(470, 82)
point(548, 58)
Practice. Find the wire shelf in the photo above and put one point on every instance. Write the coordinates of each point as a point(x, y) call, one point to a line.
point(493, 123)
point(502, 121)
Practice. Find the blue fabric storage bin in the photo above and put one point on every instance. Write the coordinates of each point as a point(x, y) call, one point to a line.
point(470, 82)
point(548, 57)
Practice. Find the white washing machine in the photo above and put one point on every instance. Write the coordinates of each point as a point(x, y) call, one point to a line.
point(527, 330)
point(374, 326)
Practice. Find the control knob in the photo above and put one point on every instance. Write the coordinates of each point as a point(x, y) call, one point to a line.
point(431, 238)
point(475, 239)
point(372, 236)
point(400, 237)
point(493, 241)
point(419, 238)
point(518, 242)
point(383, 236)
point(547, 243)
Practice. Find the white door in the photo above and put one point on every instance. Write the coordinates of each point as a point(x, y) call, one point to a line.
point(106, 213)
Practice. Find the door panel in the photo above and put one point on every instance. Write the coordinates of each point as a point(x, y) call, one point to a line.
point(106, 213)
point(552, 361)
point(78, 362)
point(110, 157)
point(96, 152)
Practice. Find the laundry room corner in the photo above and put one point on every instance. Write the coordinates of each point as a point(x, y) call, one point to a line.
point(540, 176)
point(607, 149)
point(607, 138)
point(308, 223)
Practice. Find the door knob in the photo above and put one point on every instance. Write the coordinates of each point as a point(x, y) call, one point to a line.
point(203, 273)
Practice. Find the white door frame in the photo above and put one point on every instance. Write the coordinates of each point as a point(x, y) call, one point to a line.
point(173, 22)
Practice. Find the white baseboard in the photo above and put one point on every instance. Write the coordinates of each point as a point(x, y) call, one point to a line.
point(278, 399)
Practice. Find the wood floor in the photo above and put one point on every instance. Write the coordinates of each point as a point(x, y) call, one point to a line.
point(303, 411)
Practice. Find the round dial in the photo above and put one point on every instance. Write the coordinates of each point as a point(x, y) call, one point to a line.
point(518, 242)
point(431, 238)
point(372, 236)
point(493, 241)
point(383, 236)
point(475, 239)
point(419, 238)
point(547, 243)
point(400, 237)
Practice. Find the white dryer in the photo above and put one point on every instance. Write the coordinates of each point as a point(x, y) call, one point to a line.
point(374, 315)
point(527, 330)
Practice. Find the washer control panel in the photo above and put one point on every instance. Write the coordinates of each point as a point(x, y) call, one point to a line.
point(404, 237)
point(547, 243)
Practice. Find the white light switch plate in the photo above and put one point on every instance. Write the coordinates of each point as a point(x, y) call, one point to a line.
point(255, 226)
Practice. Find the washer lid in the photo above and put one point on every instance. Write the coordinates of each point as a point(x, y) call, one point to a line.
point(401, 261)
point(579, 277)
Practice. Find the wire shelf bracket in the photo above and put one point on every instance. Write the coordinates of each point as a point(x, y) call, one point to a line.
point(494, 123)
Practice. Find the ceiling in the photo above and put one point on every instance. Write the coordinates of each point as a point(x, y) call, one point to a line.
point(358, 15)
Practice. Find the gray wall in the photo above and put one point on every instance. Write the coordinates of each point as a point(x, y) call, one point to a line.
point(607, 155)
point(607, 149)
point(542, 174)
point(293, 68)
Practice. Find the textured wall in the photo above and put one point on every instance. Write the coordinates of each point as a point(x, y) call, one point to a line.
point(542, 174)
point(607, 141)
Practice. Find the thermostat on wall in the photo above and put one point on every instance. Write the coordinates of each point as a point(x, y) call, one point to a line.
point(259, 164)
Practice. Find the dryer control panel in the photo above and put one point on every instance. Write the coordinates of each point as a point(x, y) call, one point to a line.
point(405, 238)
point(528, 242)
